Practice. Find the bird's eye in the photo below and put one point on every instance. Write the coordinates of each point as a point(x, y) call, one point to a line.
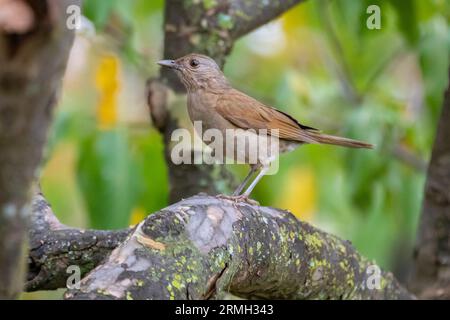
point(194, 63)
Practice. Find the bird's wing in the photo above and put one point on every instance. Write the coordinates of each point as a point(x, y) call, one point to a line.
point(247, 113)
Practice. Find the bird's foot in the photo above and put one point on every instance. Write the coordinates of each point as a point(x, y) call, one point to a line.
point(239, 198)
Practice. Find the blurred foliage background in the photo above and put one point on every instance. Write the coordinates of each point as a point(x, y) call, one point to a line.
point(104, 165)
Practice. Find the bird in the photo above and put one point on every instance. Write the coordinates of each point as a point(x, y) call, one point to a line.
point(212, 101)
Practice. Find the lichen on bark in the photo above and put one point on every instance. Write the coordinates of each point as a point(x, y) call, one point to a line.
point(204, 247)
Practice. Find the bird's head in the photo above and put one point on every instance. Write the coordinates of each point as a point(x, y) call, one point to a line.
point(197, 71)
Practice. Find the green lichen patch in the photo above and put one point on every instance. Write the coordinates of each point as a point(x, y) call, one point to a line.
point(313, 240)
point(225, 21)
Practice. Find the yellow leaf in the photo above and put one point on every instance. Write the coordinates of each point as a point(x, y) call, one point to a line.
point(299, 193)
point(303, 47)
point(107, 84)
point(137, 215)
point(295, 18)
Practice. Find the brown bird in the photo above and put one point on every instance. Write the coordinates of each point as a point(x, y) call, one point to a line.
point(217, 105)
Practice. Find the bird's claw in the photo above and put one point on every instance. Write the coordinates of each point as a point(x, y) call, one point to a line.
point(239, 198)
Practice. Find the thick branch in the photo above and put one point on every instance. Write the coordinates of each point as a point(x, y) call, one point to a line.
point(249, 15)
point(204, 247)
point(54, 247)
point(431, 277)
point(34, 47)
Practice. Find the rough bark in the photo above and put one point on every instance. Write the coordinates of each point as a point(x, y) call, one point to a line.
point(210, 28)
point(54, 247)
point(34, 47)
point(431, 275)
point(200, 248)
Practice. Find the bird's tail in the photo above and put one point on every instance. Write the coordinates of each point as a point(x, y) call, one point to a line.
point(338, 141)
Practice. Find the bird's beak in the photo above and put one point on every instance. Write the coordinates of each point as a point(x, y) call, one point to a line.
point(169, 64)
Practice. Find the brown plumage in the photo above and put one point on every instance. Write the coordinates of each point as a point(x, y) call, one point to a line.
point(247, 113)
point(213, 101)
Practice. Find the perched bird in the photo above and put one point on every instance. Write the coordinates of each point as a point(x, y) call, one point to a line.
point(217, 105)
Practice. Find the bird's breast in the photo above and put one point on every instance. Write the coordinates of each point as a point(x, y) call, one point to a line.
point(201, 108)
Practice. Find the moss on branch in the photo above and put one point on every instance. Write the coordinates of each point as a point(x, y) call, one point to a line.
point(205, 247)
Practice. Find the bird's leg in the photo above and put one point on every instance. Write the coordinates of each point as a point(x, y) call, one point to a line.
point(236, 196)
point(255, 181)
point(244, 183)
point(245, 196)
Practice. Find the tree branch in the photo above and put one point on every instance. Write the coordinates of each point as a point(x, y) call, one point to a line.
point(204, 247)
point(54, 247)
point(431, 276)
point(34, 47)
point(249, 15)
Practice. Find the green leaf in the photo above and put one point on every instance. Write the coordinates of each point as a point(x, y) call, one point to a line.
point(153, 185)
point(407, 19)
point(98, 11)
point(107, 178)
